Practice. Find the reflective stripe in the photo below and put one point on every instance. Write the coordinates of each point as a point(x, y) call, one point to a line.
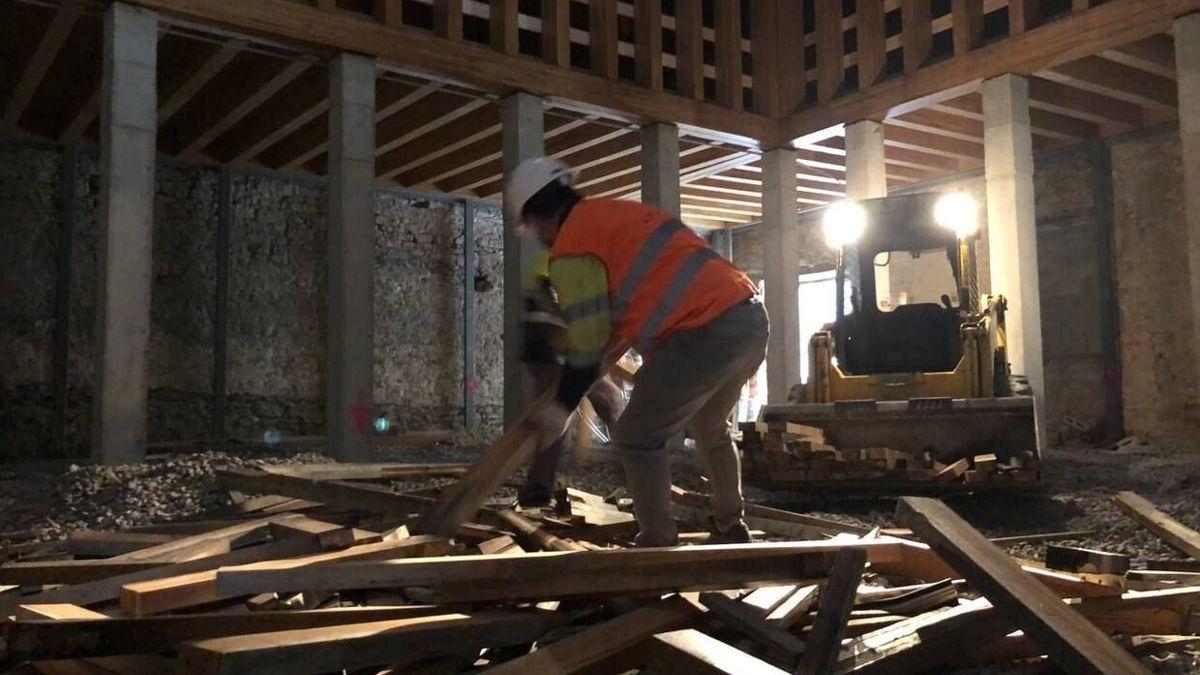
point(671, 297)
point(585, 309)
point(642, 263)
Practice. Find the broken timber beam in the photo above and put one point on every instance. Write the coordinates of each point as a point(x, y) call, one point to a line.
point(365, 471)
point(1070, 640)
point(348, 495)
point(693, 652)
point(530, 532)
point(334, 648)
point(547, 575)
point(597, 644)
point(833, 611)
point(107, 543)
point(750, 623)
point(1165, 527)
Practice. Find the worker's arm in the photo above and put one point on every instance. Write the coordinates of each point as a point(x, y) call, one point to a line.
point(581, 282)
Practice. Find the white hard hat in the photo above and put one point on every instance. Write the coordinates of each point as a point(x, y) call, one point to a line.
point(531, 176)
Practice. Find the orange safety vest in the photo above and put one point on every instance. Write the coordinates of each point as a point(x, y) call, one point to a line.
point(662, 277)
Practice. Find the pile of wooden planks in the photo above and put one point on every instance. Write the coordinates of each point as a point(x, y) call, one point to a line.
point(786, 455)
point(321, 571)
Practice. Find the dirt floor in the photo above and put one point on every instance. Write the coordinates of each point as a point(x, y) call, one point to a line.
point(47, 500)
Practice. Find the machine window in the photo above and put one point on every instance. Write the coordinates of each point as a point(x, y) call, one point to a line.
point(913, 278)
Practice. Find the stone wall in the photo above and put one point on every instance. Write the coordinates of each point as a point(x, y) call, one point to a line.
point(277, 306)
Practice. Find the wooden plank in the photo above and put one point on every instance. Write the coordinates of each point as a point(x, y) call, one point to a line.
point(556, 33)
point(196, 81)
point(1121, 82)
point(331, 535)
point(448, 19)
point(764, 600)
point(388, 12)
point(199, 588)
point(728, 27)
point(830, 73)
point(1060, 98)
point(244, 107)
point(56, 612)
point(317, 650)
point(750, 623)
point(1165, 527)
point(548, 575)
point(690, 651)
point(1074, 559)
point(502, 26)
point(967, 22)
point(1023, 15)
point(366, 471)
point(335, 493)
point(1070, 37)
point(186, 548)
point(43, 57)
point(597, 643)
point(529, 531)
point(689, 50)
point(1071, 641)
point(916, 35)
point(647, 26)
point(109, 543)
point(602, 43)
point(794, 607)
point(872, 44)
point(30, 640)
point(833, 611)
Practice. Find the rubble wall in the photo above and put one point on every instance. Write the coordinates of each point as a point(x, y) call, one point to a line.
point(277, 306)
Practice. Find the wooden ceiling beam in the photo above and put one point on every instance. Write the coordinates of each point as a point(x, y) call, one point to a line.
point(556, 33)
point(502, 26)
point(1118, 81)
point(448, 19)
point(935, 144)
point(945, 124)
point(689, 50)
point(292, 109)
point(648, 53)
point(560, 134)
point(459, 108)
point(1082, 104)
point(481, 124)
point(602, 47)
point(1045, 123)
point(613, 181)
point(201, 76)
point(1154, 55)
point(1071, 37)
point(86, 117)
point(43, 57)
point(728, 20)
point(916, 34)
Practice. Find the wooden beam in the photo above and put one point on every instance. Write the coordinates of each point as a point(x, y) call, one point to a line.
point(556, 33)
point(502, 26)
point(388, 12)
point(335, 648)
point(967, 17)
point(833, 611)
point(1071, 641)
point(58, 612)
point(367, 471)
point(43, 57)
point(458, 109)
point(35, 640)
point(916, 33)
point(598, 643)
point(1071, 37)
point(602, 31)
point(1155, 55)
point(389, 170)
point(1023, 15)
point(1117, 81)
point(246, 106)
point(534, 535)
point(200, 77)
point(830, 71)
point(872, 44)
point(109, 543)
point(335, 493)
point(1163, 526)
point(750, 623)
point(548, 575)
point(729, 53)
point(463, 172)
point(955, 148)
point(690, 651)
point(647, 56)
point(448, 19)
point(1089, 106)
point(306, 101)
point(689, 50)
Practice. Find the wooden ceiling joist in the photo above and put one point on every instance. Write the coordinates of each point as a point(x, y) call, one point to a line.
point(304, 102)
point(198, 79)
point(1081, 104)
point(560, 134)
point(1154, 55)
point(43, 57)
point(482, 124)
point(1117, 81)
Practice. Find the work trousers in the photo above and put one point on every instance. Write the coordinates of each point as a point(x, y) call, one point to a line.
point(691, 382)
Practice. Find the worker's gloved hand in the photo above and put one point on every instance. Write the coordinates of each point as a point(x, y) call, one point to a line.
point(550, 421)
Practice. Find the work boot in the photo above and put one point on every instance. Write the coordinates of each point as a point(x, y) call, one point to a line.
point(648, 476)
point(737, 533)
point(539, 479)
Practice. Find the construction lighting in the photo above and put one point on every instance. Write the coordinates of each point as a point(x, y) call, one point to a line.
point(958, 212)
point(844, 223)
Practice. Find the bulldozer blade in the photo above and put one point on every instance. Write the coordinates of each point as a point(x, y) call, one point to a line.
point(949, 429)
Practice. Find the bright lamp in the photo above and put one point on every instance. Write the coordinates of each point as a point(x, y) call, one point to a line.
point(844, 223)
point(958, 212)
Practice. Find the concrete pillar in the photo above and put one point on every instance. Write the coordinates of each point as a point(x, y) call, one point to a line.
point(1011, 227)
point(128, 121)
point(781, 245)
point(660, 166)
point(1187, 66)
point(866, 172)
point(722, 242)
point(866, 178)
point(350, 342)
point(523, 119)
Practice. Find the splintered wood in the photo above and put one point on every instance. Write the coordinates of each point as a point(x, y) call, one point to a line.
point(320, 573)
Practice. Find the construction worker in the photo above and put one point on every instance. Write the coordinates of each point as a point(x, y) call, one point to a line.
point(543, 342)
point(627, 275)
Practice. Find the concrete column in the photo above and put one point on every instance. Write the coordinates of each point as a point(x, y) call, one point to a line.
point(660, 166)
point(1187, 66)
point(781, 244)
point(866, 174)
point(1011, 227)
point(524, 122)
point(350, 342)
point(722, 242)
point(128, 121)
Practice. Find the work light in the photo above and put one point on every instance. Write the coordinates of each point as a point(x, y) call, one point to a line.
point(844, 223)
point(958, 212)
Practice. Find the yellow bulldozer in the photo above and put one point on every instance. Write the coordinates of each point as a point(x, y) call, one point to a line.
point(915, 360)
